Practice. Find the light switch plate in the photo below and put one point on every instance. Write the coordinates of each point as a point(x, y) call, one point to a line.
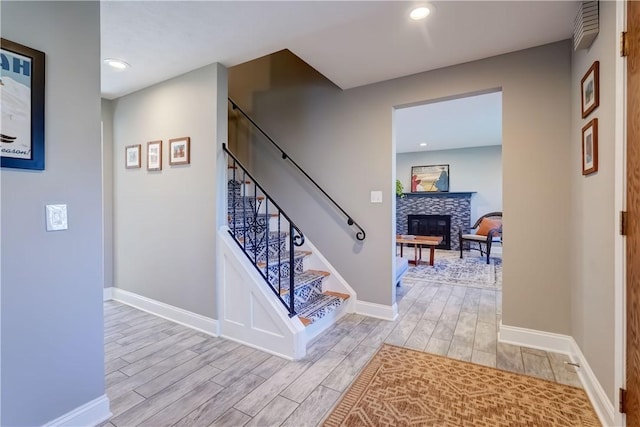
point(56, 217)
point(376, 197)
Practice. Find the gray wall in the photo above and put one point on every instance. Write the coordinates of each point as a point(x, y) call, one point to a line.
point(107, 191)
point(344, 139)
point(593, 224)
point(165, 221)
point(52, 345)
point(470, 169)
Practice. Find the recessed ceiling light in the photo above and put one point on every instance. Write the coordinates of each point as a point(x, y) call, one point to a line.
point(116, 63)
point(419, 13)
point(423, 144)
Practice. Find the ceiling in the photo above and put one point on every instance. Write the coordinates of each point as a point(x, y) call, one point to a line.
point(351, 43)
point(474, 121)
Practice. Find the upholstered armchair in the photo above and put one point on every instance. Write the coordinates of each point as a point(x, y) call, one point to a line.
point(488, 231)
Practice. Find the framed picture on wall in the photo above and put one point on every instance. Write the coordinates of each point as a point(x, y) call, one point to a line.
point(432, 178)
point(22, 106)
point(154, 156)
point(179, 151)
point(590, 89)
point(132, 156)
point(590, 147)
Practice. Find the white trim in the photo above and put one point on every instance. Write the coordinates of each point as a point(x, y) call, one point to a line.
point(275, 332)
point(531, 338)
point(385, 312)
point(107, 293)
point(175, 314)
point(598, 397)
point(92, 413)
point(620, 193)
point(559, 343)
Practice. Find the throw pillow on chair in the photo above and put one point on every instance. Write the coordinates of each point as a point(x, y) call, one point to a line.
point(487, 225)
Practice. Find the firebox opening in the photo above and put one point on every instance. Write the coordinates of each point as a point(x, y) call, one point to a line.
point(431, 225)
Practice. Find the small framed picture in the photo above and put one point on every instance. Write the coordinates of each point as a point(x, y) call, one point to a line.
point(590, 147)
point(132, 156)
point(154, 156)
point(179, 151)
point(590, 89)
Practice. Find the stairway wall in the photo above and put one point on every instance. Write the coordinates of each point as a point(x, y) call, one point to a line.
point(345, 140)
point(165, 222)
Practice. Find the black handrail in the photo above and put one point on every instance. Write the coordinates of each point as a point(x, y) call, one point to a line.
point(360, 235)
point(296, 238)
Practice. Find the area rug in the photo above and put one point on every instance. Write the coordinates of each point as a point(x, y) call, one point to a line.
point(403, 387)
point(471, 271)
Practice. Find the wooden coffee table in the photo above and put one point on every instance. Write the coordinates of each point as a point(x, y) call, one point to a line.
point(418, 242)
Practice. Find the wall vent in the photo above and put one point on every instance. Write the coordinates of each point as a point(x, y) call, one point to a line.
point(586, 25)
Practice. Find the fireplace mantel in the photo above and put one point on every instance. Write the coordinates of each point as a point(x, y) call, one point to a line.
point(441, 194)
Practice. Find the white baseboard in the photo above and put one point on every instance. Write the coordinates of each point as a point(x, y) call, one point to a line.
point(558, 343)
point(107, 294)
point(532, 338)
point(601, 403)
point(169, 312)
point(92, 413)
point(385, 312)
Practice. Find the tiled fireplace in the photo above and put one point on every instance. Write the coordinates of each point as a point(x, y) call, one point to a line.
point(455, 205)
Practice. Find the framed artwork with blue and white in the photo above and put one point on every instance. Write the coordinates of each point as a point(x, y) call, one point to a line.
point(22, 106)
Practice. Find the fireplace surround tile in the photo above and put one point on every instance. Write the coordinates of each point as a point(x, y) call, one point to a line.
point(458, 205)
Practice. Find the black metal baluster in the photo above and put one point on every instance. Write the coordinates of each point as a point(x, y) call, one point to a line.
point(243, 194)
point(266, 212)
point(255, 229)
point(279, 258)
point(292, 311)
point(234, 198)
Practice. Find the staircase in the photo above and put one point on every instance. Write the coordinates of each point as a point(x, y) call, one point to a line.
point(263, 233)
point(278, 292)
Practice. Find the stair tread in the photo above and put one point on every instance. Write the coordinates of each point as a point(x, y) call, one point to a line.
point(240, 217)
point(304, 278)
point(285, 258)
point(273, 235)
point(319, 306)
point(246, 197)
point(337, 294)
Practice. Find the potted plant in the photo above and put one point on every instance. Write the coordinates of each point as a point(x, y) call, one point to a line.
point(400, 189)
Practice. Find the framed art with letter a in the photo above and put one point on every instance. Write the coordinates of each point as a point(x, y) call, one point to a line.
point(22, 106)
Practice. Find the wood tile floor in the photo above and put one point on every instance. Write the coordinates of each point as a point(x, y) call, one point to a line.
point(162, 374)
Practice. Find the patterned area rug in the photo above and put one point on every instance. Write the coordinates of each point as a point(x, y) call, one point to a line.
point(472, 270)
point(402, 387)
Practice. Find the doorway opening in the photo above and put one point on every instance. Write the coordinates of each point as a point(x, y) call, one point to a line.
point(448, 172)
